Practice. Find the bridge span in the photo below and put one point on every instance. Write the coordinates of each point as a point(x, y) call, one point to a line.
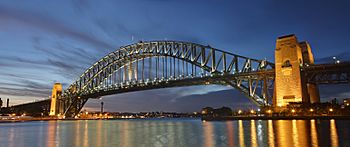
point(163, 64)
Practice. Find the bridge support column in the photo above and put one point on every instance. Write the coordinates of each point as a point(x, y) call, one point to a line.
point(290, 84)
point(55, 103)
point(308, 59)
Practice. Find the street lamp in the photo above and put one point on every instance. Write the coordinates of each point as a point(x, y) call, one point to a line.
point(252, 111)
point(311, 111)
point(269, 111)
point(293, 111)
point(239, 111)
point(330, 110)
point(336, 61)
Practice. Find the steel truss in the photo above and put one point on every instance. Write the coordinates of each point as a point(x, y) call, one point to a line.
point(160, 64)
point(327, 73)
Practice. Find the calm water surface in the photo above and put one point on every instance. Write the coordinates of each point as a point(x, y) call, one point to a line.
point(175, 132)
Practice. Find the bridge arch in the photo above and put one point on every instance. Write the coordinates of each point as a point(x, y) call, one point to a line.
point(161, 64)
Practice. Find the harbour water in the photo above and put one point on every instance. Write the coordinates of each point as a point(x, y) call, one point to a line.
point(175, 133)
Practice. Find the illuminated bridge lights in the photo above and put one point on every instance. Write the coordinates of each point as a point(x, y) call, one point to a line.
point(138, 67)
point(269, 111)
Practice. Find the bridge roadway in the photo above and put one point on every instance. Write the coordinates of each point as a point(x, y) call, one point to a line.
point(328, 73)
point(319, 74)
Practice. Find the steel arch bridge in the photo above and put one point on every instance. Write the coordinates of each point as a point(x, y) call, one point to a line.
point(162, 64)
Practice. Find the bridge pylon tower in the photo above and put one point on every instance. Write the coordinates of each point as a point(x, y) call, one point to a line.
point(291, 85)
point(55, 99)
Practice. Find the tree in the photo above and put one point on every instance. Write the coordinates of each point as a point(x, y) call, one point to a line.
point(207, 110)
point(223, 111)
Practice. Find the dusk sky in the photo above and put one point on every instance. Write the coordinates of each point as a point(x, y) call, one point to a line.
point(43, 42)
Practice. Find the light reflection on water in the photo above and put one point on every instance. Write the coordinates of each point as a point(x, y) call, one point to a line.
point(253, 133)
point(314, 138)
point(230, 134)
point(334, 134)
point(176, 132)
point(241, 133)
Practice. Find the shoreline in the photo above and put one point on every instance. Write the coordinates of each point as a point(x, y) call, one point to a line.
point(231, 118)
point(227, 118)
point(73, 119)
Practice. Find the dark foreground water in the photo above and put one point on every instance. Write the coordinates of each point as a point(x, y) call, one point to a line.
point(175, 132)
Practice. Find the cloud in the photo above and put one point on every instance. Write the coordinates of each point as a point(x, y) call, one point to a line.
point(38, 93)
point(196, 90)
point(66, 64)
point(33, 85)
point(150, 101)
point(23, 87)
point(9, 16)
point(13, 61)
point(5, 64)
point(330, 91)
point(344, 56)
point(80, 5)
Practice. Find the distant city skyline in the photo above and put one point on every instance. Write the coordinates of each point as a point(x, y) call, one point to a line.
point(46, 42)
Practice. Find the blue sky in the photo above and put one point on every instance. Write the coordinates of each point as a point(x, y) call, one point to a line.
point(43, 42)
